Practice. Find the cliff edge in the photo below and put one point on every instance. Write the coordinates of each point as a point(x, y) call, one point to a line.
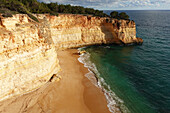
point(69, 30)
point(28, 57)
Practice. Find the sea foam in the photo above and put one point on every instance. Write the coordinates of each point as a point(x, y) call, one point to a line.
point(114, 103)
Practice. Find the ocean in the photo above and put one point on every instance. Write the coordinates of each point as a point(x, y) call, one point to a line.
point(137, 77)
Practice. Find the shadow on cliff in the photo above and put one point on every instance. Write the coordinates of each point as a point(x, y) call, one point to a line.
point(111, 33)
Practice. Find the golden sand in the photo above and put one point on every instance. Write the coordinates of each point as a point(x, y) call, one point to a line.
point(74, 93)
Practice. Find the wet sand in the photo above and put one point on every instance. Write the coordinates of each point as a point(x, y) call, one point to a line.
point(74, 93)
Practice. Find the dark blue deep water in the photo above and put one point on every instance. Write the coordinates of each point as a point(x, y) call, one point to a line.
point(139, 75)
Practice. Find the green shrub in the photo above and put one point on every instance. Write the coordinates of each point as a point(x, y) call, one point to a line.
point(6, 12)
point(33, 17)
point(7, 15)
point(114, 14)
point(33, 6)
point(121, 15)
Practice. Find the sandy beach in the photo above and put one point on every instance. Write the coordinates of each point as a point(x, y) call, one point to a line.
point(74, 93)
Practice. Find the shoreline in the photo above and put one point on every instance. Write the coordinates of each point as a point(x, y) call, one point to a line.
point(74, 93)
point(93, 96)
point(113, 102)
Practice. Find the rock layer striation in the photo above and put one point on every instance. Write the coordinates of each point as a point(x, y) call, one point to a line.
point(28, 57)
point(69, 31)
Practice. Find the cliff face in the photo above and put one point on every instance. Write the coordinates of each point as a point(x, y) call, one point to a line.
point(28, 57)
point(76, 30)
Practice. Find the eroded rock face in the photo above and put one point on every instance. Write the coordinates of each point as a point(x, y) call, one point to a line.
point(28, 58)
point(77, 30)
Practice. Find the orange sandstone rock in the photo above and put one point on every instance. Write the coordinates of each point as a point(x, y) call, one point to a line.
point(28, 58)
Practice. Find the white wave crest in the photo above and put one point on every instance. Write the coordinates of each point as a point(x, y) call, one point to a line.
point(112, 99)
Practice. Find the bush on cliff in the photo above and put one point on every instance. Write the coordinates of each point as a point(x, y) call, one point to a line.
point(14, 7)
point(6, 12)
point(123, 15)
point(114, 14)
point(117, 15)
point(33, 6)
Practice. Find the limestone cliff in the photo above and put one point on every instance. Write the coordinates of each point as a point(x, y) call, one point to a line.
point(27, 56)
point(77, 30)
point(27, 50)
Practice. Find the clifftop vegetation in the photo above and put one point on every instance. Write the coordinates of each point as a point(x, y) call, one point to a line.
point(117, 15)
point(9, 7)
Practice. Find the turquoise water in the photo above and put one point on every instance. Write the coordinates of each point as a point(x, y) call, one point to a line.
point(139, 75)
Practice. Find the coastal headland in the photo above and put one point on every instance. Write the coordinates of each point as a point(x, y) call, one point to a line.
point(32, 61)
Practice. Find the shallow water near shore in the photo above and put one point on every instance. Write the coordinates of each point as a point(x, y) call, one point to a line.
point(139, 76)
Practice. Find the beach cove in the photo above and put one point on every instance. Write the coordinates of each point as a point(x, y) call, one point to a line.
point(32, 59)
point(59, 58)
point(74, 93)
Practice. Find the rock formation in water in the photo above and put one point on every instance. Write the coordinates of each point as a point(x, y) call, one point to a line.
point(28, 56)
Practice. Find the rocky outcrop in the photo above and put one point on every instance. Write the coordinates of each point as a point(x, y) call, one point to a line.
point(77, 30)
point(28, 58)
